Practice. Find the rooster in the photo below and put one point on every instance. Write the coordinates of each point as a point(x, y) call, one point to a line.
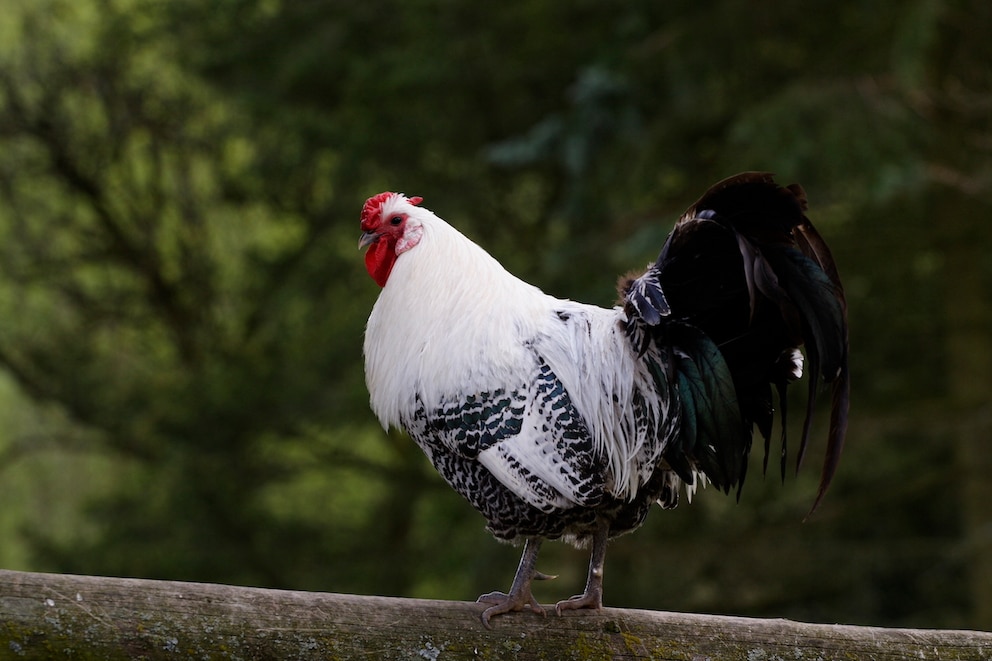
point(561, 420)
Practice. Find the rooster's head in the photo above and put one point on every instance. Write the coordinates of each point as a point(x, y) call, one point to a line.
point(388, 229)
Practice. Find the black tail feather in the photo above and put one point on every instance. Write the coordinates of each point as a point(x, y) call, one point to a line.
point(783, 403)
point(838, 430)
point(713, 439)
point(747, 272)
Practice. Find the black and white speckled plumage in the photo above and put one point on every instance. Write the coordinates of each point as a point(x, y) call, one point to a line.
point(532, 431)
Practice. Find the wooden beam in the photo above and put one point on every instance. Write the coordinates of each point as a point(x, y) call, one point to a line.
point(44, 616)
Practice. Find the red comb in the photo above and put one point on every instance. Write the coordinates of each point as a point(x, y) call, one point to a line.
point(373, 207)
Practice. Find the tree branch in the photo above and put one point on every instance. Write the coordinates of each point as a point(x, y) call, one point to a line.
point(45, 125)
point(118, 618)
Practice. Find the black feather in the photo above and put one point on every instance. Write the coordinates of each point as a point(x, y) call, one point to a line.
point(744, 279)
point(712, 436)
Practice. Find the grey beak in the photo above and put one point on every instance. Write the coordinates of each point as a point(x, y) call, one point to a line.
point(367, 239)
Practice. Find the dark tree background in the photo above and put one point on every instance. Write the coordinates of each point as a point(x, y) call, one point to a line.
point(182, 301)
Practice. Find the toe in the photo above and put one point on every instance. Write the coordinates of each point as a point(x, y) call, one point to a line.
point(592, 600)
point(492, 598)
point(501, 602)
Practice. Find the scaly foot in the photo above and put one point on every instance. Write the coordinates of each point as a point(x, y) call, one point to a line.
point(519, 597)
point(589, 599)
point(593, 595)
point(501, 602)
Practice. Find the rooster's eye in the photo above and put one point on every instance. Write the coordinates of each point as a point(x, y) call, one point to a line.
point(395, 220)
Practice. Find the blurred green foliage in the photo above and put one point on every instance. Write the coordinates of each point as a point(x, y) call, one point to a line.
point(182, 301)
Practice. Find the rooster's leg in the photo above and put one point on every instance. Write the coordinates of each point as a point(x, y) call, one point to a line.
point(593, 595)
point(519, 596)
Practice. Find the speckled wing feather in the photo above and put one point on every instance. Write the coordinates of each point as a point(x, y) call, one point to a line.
point(530, 437)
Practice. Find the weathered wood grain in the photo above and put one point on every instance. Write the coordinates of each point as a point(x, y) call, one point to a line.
point(46, 616)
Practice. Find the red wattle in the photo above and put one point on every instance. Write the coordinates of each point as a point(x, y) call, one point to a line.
point(379, 260)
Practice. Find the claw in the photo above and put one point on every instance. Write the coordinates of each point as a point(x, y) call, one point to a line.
point(507, 603)
point(593, 599)
point(519, 597)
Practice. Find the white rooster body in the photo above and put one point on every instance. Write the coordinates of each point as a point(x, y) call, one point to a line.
point(427, 356)
point(560, 419)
